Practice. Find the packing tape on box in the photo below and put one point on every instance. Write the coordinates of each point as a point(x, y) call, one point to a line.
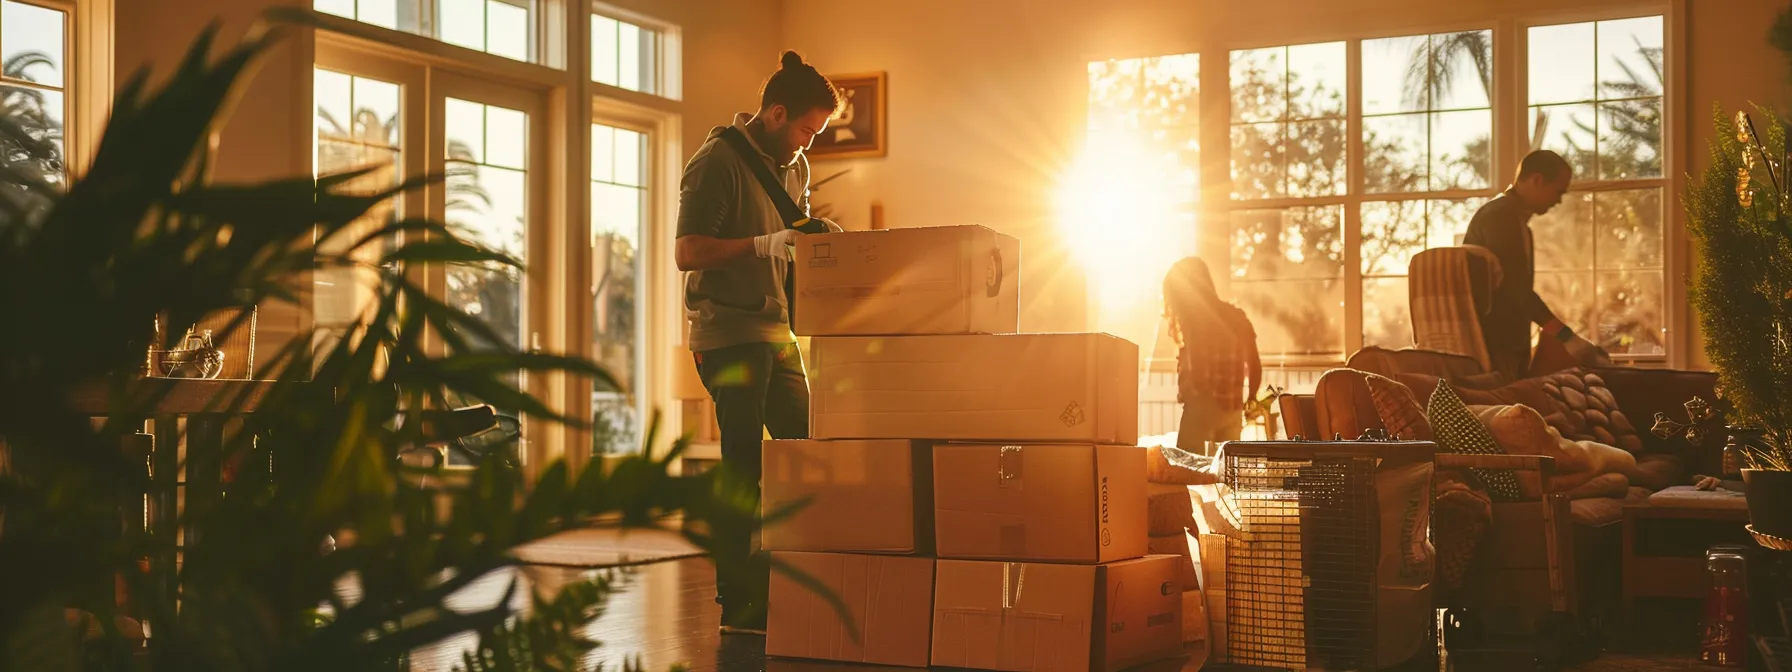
point(1009, 467)
point(1014, 580)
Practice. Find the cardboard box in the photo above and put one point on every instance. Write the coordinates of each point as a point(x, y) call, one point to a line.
point(1049, 503)
point(864, 496)
point(889, 598)
point(1079, 388)
point(932, 280)
point(1035, 616)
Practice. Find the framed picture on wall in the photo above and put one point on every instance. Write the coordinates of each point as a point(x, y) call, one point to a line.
point(857, 130)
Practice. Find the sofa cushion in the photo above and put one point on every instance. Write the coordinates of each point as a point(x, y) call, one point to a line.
point(1602, 485)
point(1603, 511)
point(1457, 431)
point(1398, 409)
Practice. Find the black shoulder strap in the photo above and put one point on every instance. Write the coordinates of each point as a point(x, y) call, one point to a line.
point(792, 215)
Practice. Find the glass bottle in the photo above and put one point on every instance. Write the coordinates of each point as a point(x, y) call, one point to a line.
point(1726, 640)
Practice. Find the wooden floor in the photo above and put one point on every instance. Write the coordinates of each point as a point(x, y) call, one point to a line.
point(665, 615)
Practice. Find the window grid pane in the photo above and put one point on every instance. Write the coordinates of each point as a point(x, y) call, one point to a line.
point(625, 55)
point(487, 203)
point(1596, 97)
point(355, 126)
point(1428, 125)
point(618, 227)
point(1288, 131)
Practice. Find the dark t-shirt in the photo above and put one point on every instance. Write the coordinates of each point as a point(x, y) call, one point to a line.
point(1503, 227)
point(743, 301)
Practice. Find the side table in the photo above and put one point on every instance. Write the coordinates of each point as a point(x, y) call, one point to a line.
point(1664, 548)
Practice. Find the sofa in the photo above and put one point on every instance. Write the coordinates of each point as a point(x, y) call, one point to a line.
point(1615, 405)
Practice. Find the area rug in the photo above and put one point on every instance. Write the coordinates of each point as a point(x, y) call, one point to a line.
point(607, 547)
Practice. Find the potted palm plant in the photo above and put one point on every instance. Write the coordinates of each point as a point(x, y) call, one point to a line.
point(1741, 220)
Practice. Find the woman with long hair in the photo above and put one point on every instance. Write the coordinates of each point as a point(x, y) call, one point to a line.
point(1216, 357)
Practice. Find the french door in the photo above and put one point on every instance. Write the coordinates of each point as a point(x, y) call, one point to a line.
point(485, 139)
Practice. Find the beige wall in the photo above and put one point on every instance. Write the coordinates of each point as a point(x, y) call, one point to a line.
point(268, 134)
point(987, 104)
point(1731, 65)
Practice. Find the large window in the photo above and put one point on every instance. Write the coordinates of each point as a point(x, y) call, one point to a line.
point(1338, 178)
point(499, 27)
point(618, 228)
point(34, 79)
point(1595, 95)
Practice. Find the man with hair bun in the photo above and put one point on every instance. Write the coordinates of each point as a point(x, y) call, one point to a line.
point(1503, 226)
point(734, 247)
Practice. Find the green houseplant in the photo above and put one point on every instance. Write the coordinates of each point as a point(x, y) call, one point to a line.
point(1741, 220)
point(146, 232)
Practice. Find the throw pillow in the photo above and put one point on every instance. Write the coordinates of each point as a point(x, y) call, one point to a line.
point(1457, 431)
point(1399, 409)
point(1588, 411)
point(1520, 430)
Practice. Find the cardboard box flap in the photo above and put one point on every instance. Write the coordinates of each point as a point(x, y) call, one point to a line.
point(1013, 616)
point(889, 599)
point(865, 496)
point(1026, 617)
point(1141, 609)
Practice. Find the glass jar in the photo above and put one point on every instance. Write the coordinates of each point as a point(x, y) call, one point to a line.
point(1725, 641)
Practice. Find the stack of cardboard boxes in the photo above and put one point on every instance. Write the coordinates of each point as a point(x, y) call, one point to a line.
point(976, 497)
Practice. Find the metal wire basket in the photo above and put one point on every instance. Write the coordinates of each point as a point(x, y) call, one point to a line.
point(1301, 583)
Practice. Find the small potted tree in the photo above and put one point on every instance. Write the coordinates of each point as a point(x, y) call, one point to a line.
point(1741, 221)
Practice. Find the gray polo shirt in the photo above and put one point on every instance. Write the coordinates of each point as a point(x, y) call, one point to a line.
point(743, 301)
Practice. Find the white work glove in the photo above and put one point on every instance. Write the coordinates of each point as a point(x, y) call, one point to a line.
point(776, 245)
point(1585, 352)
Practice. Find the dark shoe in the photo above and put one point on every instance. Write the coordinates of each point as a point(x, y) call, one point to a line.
point(745, 619)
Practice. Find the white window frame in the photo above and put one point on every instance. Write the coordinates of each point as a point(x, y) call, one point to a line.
point(560, 268)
